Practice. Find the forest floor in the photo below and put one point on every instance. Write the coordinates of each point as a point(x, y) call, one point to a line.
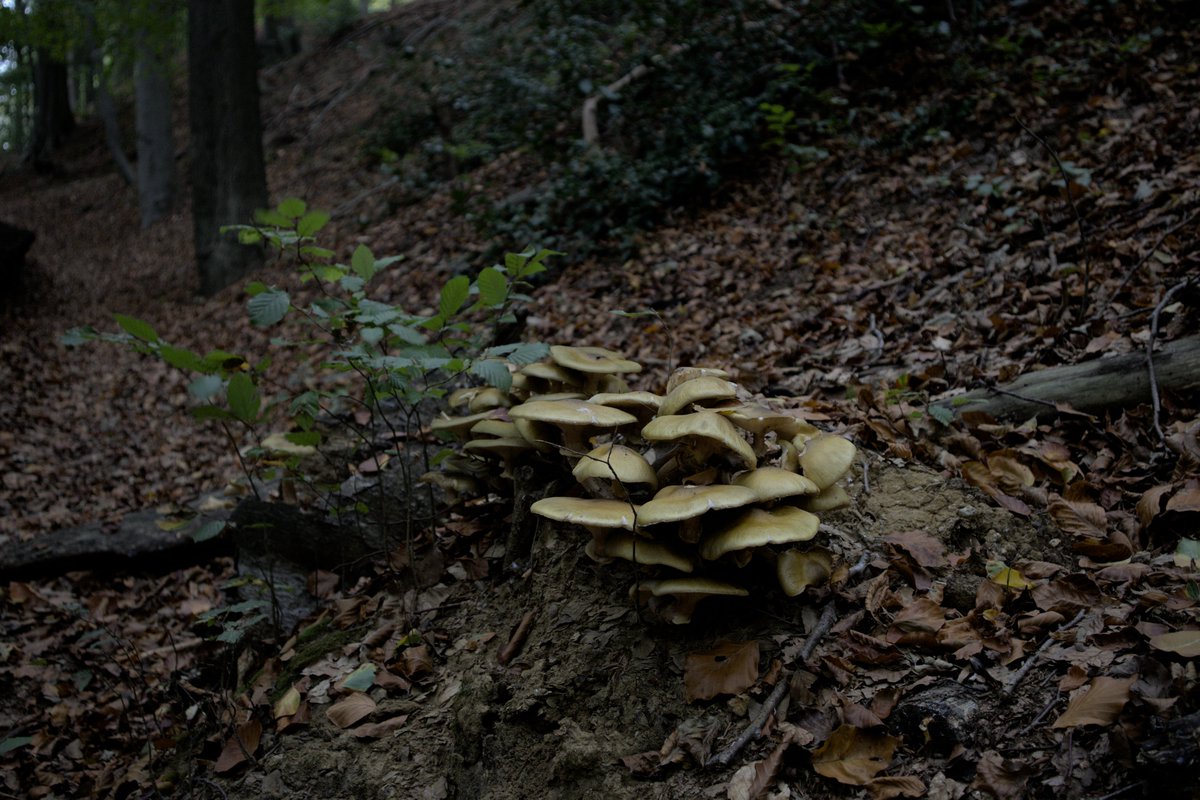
point(1015, 611)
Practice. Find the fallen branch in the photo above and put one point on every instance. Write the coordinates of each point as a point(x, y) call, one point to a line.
point(1166, 299)
point(591, 130)
point(1028, 665)
point(1116, 382)
point(513, 646)
point(828, 617)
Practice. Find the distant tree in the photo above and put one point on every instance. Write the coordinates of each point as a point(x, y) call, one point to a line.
point(52, 117)
point(155, 133)
point(228, 176)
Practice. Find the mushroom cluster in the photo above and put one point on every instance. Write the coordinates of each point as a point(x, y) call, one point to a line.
point(694, 483)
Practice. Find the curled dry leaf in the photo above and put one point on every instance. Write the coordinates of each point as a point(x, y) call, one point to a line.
point(729, 668)
point(375, 730)
point(1184, 643)
point(895, 786)
point(288, 704)
point(1086, 520)
point(752, 780)
point(854, 756)
point(240, 746)
point(350, 709)
point(1099, 704)
point(1002, 778)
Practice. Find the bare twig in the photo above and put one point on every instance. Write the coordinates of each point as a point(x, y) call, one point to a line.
point(591, 129)
point(1153, 249)
point(514, 644)
point(751, 731)
point(1121, 791)
point(1083, 256)
point(1028, 665)
point(1154, 396)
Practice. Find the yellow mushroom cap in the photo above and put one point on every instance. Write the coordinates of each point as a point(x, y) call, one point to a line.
point(488, 397)
point(461, 426)
point(827, 458)
point(704, 425)
point(615, 463)
point(676, 503)
point(758, 527)
point(759, 418)
point(799, 569)
point(684, 374)
point(592, 359)
point(698, 390)
point(686, 586)
point(498, 428)
point(772, 483)
point(549, 372)
point(830, 499)
point(589, 512)
point(643, 551)
point(639, 401)
point(571, 413)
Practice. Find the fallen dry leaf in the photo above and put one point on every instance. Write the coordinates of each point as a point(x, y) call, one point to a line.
point(895, 786)
point(854, 756)
point(351, 709)
point(1001, 777)
point(1184, 643)
point(239, 747)
point(1079, 518)
point(374, 730)
point(729, 668)
point(753, 779)
point(1099, 704)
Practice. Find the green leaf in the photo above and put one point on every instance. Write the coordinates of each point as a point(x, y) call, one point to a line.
point(135, 327)
point(328, 272)
point(220, 359)
point(13, 742)
point(941, 414)
point(494, 372)
point(521, 353)
point(203, 413)
point(493, 287)
point(293, 207)
point(361, 679)
point(208, 530)
point(255, 287)
point(243, 397)
point(304, 438)
point(316, 253)
point(80, 335)
point(454, 294)
point(205, 386)
point(181, 358)
point(248, 236)
point(267, 216)
point(406, 334)
point(269, 307)
point(371, 335)
point(312, 222)
point(363, 262)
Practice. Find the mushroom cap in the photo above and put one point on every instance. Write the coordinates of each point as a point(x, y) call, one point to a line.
point(571, 413)
point(772, 483)
point(505, 447)
point(643, 551)
point(799, 569)
point(488, 397)
point(592, 359)
point(676, 503)
point(635, 400)
point(698, 390)
point(687, 586)
point(498, 428)
point(549, 372)
point(684, 374)
point(585, 511)
point(279, 444)
point(461, 426)
point(827, 458)
point(615, 462)
point(758, 527)
point(831, 498)
point(702, 424)
point(758, 418)
point(451, 483)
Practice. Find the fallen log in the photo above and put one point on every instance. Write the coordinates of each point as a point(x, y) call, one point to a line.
point(1092, 386)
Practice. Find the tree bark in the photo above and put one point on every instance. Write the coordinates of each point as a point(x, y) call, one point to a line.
point(155, 139)
point(1118, 381)
point(228, 176)
point(52, 118)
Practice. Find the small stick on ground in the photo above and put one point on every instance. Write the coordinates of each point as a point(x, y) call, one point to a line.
point(1028, 665)
point(1154, 396)
point(513, 646)
point(828, 617)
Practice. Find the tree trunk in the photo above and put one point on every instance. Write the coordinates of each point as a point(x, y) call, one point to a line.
point(155, 140)
point(1095, 385)
point(228, 177)
point(52, 118)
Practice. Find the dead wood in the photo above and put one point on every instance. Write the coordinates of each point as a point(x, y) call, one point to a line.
point(1117, 382)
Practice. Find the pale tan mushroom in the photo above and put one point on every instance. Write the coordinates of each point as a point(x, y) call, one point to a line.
point(685, 593)
point(591, 513)
point(641, 550)
point(573, 417)
point(643, 405)
point(826, 458)
point(684, 374)
point(799, 569)
point(596, 366)
point(611, 469)
point(686, 504)
point(705, 390)
point(707, 433)
point(758, 527)
point(829, 499)
point(773, 483)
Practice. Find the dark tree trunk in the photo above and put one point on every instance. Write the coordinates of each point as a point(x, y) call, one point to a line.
point(52, 118)
point(228, 177)
point(155, 139)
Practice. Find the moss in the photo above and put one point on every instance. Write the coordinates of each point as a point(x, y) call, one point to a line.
point(312, 643)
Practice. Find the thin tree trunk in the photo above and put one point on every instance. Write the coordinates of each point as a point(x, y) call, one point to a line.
point(105, 106)
point(52, 119)
point(228, 176)
point(155, 140)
